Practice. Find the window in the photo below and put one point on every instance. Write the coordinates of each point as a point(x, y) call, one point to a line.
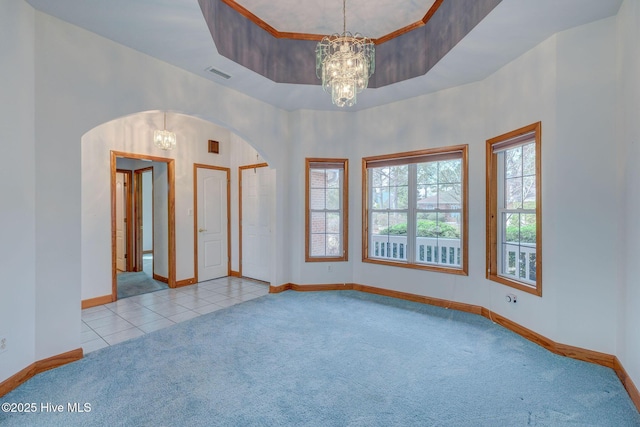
point(326, 216)
point(514, 238)
point(415, 209)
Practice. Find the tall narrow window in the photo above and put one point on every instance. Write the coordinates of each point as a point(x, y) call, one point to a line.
point(514, 238)
point(326, 214)
point(415, 209)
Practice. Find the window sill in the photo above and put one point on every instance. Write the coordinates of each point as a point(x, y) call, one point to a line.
point(446, 270)
point(533, 290)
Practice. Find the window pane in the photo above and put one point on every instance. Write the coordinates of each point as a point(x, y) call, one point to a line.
point(438, 236)
point(333, 178)
point(513, 193)
point(333, 244)
point(333, 198)
point(452, 222)
point(389, 234)
point(399, 175)
point(318, 222)
point(511, 231)
point(528, 229)
point(532, 266)
point(379, 177)
point(317, 198)
point(317, 178)
point(449, 196)
point(400, 198)
point(427, 197)
point(510, 259)
point(380, 198)
point(427, 173)
point(450, 171)
point(529, 159)
point(317, 245)
point(513, 162)
point(529, 192)
point(333, 222)
point(379, 223)
point(390, 223)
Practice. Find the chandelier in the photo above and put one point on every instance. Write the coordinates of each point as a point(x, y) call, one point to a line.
point(163, 138)
point(345, 63)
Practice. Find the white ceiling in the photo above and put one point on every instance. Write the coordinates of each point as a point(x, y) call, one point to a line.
point(372, 19)
point(175, 31)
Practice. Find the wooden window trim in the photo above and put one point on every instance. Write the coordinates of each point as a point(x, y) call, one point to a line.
point(432, 154)
point(310, 163)
point(492, 208)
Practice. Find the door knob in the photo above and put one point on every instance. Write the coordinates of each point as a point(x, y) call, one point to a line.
point(202, 229)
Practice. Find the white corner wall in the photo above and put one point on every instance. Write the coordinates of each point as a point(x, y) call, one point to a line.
point(628, 114)
point(17, 187)
point(587, 243)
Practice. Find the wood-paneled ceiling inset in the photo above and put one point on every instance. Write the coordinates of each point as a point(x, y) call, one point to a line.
point(406, 55)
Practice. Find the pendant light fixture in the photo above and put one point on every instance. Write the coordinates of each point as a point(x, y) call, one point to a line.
point(163, 138)
point(345, 62)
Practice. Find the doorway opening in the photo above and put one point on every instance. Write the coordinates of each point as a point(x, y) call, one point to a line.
point(142, 224)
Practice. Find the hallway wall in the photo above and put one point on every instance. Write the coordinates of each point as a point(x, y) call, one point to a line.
point(133, 134)
point(17, 187)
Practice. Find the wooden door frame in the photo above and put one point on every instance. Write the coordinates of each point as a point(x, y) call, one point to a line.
point(195, 216)
point(137, 212)
point(240, 169)
point(128, 214)
point(171, 203)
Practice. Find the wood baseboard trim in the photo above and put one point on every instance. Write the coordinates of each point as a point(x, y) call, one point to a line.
point(37, 367)
point(627, 382)
point(278, 289)
point(160, 278)
point(310, 288)
point(234, 273)
point(469, 308)
point(185, 282)
point(93, 302)
point(565, 350)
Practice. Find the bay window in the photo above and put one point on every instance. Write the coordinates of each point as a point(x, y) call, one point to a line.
point(415, 208)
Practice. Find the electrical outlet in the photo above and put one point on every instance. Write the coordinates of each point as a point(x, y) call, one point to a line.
point(3, 344)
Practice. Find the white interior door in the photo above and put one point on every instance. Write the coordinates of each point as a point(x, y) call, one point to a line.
point(121, 228)
point(212, 221)
point(258, 196)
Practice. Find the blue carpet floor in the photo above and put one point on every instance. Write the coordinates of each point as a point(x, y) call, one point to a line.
point(328, 359)
point(130, 284)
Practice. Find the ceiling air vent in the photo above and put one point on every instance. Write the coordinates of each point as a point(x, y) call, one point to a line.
point(219, 73)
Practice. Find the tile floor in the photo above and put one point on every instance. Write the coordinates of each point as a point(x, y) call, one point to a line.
point(132, 317)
